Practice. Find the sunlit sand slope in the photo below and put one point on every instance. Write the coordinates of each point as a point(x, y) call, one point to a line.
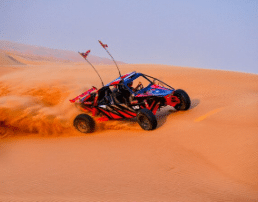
point(208, 153)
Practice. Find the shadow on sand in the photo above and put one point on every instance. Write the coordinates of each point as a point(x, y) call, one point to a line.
point(194, 103)
point(163, 113)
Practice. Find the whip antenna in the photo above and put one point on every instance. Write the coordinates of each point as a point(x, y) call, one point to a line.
point(84, 55)
point(105, 46)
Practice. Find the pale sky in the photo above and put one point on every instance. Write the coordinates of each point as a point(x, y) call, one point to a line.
point(211, 34)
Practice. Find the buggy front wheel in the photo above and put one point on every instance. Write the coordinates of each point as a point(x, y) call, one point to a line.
point(146, 119)
point(184, 98)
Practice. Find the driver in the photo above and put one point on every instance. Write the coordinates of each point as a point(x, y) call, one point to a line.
point(138, 87)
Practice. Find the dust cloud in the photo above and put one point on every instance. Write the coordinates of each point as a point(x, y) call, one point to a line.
point(36, 100)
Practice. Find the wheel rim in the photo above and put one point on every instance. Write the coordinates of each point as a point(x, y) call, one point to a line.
point(145, 123)
point(180, 106)
point(82, 126)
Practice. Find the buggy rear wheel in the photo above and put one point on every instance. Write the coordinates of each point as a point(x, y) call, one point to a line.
point(146, 119)
point(84, 123)
point(184, 98)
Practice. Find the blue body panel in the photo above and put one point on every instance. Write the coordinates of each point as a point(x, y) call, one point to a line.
point(160, 92)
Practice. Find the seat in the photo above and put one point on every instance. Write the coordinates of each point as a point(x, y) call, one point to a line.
point(105, 96)
point(122, 95)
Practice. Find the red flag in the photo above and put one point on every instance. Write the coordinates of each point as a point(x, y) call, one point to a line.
point(85, 54)
point(103, 45)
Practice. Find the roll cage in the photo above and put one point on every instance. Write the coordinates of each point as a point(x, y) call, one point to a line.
point(128, 78)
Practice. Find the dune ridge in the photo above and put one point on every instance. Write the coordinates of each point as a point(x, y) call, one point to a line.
point(6, 59)
point(38, 53)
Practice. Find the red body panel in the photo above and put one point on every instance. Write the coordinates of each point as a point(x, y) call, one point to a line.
point(172, 100)
point(83, 95)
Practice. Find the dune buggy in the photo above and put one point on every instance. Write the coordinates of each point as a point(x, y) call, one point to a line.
point(129, 96)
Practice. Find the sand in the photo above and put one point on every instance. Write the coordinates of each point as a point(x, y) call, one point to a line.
point(208, 153)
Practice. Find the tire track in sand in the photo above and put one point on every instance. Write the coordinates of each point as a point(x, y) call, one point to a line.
point(201, 118)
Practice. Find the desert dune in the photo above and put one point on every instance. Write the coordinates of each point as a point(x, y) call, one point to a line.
point(208, 153)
